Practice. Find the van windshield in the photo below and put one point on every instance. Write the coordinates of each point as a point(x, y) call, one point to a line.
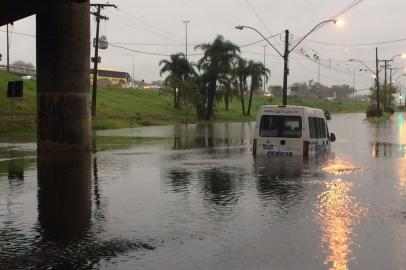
point(280, 126)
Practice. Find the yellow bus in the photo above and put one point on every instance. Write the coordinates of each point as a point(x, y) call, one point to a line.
point(110, 78)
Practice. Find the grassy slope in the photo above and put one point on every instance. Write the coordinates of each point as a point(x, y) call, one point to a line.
point(117, 108)
point(24, 108)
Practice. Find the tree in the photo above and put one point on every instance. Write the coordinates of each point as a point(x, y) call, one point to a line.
point(256, 71)
point(389, 97)
point(216, 63)
point(225, 90)
point(242, 73)
point(22, 64)
point(179, 69)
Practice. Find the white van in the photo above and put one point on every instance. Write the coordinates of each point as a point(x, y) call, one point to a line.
point(283, 131)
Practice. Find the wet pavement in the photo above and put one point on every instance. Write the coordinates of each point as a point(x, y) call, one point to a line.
point(193, 197)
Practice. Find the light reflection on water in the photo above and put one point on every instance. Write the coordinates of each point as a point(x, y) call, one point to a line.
point(337, 213)
point(339, 165)
point(203, 202)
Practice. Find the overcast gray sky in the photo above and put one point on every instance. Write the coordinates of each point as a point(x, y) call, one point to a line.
point(156, 26)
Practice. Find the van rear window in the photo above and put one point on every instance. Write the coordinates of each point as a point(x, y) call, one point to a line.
point(280, 126)
point(317, 128)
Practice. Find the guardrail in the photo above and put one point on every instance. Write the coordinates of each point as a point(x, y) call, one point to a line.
point(21, 71)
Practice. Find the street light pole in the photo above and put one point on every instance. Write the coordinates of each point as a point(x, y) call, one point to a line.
point(376, 75)
point(285, 69)
point(133, 65)
point(264, 67)
point(377, 83)
point(186, 22)
point(8, 52)
point(286, 53)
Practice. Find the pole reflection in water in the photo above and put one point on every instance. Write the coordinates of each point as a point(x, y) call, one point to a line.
point(64, 198)
point(337, 213)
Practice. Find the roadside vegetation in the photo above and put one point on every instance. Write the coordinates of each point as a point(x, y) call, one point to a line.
point(221, 86)
point(122, 108)
point(385, 103)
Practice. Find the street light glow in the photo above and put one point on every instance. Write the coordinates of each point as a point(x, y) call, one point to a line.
point(339, 22)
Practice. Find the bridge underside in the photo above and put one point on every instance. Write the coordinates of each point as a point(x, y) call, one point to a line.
point(63, 53)
point(14, 10)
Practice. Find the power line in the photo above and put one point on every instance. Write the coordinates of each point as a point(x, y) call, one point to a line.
point(131, 16)
point(356, 44)
point(141, 52)
point(258, 16)
point(130, 24)
point(258, 41)
point(19, 34)
point(348, 8)
point(152, 44)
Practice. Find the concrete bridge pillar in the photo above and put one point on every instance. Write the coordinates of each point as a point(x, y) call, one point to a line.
point(63, 97)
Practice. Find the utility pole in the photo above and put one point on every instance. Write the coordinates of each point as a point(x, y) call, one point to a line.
point(385, 91)
point(133, 66)
point(8, 52)
point(186, 22)
point(385, 96)
point(318, 72)
point(96, 50)
point(264, 67)
point(286, 53)
point(377, 82)
point(353, 86)
point(285, 69)
point(390, 86)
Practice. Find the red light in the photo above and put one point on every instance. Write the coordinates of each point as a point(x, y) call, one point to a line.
point(306, 149)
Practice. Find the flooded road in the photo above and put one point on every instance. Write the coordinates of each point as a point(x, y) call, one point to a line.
point(194, 198)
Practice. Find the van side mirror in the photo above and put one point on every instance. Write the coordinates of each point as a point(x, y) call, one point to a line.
point(332, 137)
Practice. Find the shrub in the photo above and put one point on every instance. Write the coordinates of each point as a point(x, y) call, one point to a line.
point(372, 111)
point(390, 110)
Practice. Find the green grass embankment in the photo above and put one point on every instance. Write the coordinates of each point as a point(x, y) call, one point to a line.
point(24, 108)
point(122, 108)
point(380, 119)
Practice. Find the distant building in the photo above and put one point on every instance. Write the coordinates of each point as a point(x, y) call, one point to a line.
point(342, 92)
point(276, 90)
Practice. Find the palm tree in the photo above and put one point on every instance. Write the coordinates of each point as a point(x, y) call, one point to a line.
point(216, 62)
point(179, 70)
point(242, 74)
point(256, 71)
point(225, 90)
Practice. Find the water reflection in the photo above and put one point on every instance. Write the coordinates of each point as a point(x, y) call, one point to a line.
point(179, 179)
point(64, 198)
point(338, 165)
point(382, 149)
point(337, 213)
point(219, 186)
point(402, 175)
point(279, 179)
point(206, 135)
point(15, 172)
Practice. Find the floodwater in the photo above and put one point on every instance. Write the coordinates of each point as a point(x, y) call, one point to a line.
point(194, 198)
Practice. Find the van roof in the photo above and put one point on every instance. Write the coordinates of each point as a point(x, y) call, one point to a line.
point(288, 107)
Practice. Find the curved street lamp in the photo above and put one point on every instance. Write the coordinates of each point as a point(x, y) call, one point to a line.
point(287, 51)
point(376, 76)
point(402, 55)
